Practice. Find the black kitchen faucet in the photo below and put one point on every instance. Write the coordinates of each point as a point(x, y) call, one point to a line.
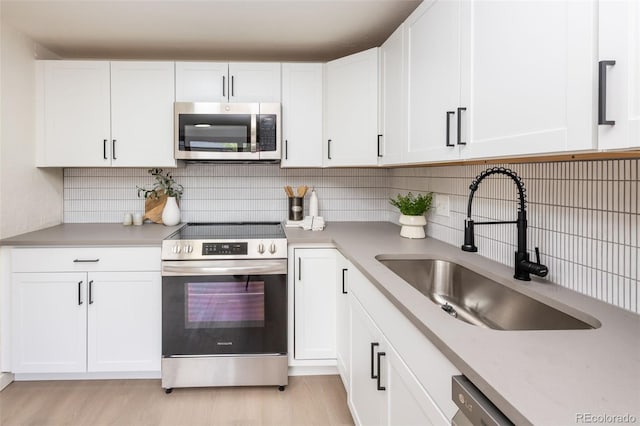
point(523, 267)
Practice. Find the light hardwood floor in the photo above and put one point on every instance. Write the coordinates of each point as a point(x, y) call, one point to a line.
point(308, 400)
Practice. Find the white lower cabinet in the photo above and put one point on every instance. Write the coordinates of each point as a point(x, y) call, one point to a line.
point(397, 376)
point(314, 283)
point(87, 320)
point(124, 321)
point(343, 319)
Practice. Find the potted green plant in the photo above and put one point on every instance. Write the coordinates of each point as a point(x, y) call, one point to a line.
point(164, 196)
point(412, 209)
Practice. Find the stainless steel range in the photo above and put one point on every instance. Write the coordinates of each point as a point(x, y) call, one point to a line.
point(224, 306)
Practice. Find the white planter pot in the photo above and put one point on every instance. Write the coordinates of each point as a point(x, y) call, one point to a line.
point(171, 212)
point(412, 226)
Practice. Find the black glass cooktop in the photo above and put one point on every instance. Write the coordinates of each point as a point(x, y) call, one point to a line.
point(229, 231)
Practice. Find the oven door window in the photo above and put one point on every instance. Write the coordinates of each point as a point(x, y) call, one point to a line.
point(232, 304)
point(215, 132)
point(230, 314)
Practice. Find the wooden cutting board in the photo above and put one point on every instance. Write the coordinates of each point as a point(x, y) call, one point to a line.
point(153, 207)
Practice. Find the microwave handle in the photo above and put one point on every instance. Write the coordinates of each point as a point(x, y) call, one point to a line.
point(254, 133)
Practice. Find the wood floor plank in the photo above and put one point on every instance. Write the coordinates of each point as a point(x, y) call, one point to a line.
point(308, 400)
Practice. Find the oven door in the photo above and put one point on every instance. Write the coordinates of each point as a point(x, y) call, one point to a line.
point(224, 307)
point(216, 131)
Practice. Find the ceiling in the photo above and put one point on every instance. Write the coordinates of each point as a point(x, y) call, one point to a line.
point(252, 30)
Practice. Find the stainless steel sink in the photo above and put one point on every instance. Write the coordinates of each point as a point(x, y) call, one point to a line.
point(478, 300)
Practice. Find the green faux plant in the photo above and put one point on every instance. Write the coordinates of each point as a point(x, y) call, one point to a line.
point(411, 205)
point(164, 183)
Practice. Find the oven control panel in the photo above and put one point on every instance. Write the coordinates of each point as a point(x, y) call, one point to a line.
point(223, 249)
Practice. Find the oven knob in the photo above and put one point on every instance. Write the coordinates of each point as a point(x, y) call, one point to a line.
point(176, 249)
point(272, 248)
point(188, 248)
point(260, 248)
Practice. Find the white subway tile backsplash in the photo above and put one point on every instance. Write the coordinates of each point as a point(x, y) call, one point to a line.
point(583, 215)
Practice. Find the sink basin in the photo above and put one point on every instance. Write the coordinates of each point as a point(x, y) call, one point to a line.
point(478, 300)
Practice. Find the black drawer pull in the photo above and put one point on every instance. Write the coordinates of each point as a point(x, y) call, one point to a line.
point(460, 109)
point(86, 260)
point(91, 292)
point(344, 270)
point(447, 142)
point(79, 293)
point(602, 93)
point(379, 376)
point(373, 349)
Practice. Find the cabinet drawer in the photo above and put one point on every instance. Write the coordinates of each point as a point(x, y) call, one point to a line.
point(85, 259)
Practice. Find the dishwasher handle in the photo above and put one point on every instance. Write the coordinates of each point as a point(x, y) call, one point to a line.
point(474, 407)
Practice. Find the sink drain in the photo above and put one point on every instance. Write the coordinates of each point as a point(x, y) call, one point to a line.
point(450, 310)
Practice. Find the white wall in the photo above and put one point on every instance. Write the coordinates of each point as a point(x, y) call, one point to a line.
point(30, 198)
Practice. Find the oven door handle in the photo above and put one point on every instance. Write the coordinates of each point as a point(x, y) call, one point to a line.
point(224, 267)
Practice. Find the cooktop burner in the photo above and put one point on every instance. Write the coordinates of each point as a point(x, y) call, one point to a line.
point(229, 231)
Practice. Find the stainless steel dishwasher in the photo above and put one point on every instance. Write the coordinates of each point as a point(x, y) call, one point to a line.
point(474, 408)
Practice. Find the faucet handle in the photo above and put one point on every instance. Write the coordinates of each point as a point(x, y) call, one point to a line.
point(537, 255)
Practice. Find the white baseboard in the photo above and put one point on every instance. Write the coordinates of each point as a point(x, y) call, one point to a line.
point(25, 377)
point(5, 380)
point(323, 370)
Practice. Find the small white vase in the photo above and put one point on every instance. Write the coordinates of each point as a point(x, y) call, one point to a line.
point(412, 226)
point(171, 212)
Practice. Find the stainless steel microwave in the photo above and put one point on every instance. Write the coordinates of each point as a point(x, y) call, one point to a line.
point(227, 131)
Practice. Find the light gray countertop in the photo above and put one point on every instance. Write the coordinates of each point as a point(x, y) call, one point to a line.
point(94, 234)
point(536, 377)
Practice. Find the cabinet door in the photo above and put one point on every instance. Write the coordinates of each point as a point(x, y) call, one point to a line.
point(73, 101)
point(343, 325)
point(433, 38)
point(302, 115)
point(254, 82)
point(393, 99)
point(124, 321)
point(352, 110)
point(408, 403)
point(315, 304)
point(202, 81)
point(619, 40)
point(367, 403)
point(527, 77)
point(142, 95)
point(49, 327)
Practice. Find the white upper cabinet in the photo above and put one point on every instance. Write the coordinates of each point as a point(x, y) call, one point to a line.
point(302, 114)
point(351, 110)
point(433, 78)
point(619, 107)
point(201, 81)
point(227, 82)
point(73, 113)
point(527, 76)
point(393, 109)
point(142, 96)
point(100, 113)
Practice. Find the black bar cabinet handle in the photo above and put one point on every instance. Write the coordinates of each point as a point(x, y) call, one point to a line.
point(79, 293)
point(460, 109)
point(299, 269)
point(344, 270)
point(113, 150)
point(602, 93)
point(373, 349)
point(104, 149)
point(286, 149)
point(379, 152)
point(224, 85)
point(91, 292)
point(86, 260)
point(233, 86)
point(449, 114)
point(379, 376)
point(329, 149)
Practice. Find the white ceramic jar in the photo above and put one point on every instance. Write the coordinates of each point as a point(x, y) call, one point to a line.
point(412, 226)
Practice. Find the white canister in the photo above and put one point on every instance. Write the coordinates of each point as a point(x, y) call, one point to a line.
point(313, 203)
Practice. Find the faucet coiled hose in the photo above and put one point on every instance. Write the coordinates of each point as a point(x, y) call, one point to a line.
point(522, 196)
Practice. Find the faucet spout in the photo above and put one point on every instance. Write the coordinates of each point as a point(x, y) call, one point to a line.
point(523, 267)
